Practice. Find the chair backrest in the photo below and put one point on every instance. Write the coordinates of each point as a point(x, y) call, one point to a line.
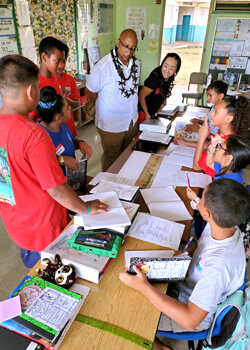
point(198, 78)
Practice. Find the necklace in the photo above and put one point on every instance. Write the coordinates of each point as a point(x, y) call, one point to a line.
point(122, 82)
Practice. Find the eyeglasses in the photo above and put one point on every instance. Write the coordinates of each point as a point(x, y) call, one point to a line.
point(127, 48)
point(219, 146)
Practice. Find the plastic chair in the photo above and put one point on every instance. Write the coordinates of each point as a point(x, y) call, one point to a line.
point(197, 78)
point(230, 311)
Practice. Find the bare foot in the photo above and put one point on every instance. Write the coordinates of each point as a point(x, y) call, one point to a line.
point(160, 346)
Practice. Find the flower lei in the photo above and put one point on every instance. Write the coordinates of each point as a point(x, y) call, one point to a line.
point(123, 80)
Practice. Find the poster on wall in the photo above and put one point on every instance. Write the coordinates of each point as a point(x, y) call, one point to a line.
point(106, 18)
point(85, 11)
point(8, 46)
point(136, 19)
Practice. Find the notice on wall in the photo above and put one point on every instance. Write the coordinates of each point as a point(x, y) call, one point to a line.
point(106, 18)
point(136, 20)
point(237, 62)
point(8, 46)
point(7, 26)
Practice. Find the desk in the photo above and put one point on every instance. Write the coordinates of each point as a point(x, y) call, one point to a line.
point(113, 302)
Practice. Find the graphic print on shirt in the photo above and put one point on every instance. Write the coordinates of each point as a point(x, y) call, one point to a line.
point(6, 191)
point(199, 262)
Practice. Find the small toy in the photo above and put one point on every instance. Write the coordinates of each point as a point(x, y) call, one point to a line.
point(56, 272)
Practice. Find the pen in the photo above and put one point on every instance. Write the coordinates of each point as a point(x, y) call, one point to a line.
point(188, 179)
point(188, 243)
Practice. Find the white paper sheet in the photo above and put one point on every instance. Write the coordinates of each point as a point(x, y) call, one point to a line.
point(196, 179)
point(134, 165)
point(186, 151)
point(161, 194)
point(26, 37)
point(173, 211)
point(169, 150)
point(111, 177)
point(156, 230)
point(166, 175)
point(125, 192)
point(116, 216)
point(147, 254)
point(181, 160)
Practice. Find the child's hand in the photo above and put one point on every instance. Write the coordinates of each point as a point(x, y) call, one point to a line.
point(97, 206)
point(195, 127)
point(197, 121)
point(85, 149)
point(180, 141)
point(71, 163)
point(204, 130)
point(191, 194)
point(136, 282)
point(215, 140)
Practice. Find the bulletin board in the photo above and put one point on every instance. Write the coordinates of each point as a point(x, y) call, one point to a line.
point(9, 44)
point(231, 47)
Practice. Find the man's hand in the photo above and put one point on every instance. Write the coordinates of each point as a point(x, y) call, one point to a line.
point(137, 282)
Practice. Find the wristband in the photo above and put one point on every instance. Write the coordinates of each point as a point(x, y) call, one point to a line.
point(88, 211)
point(195, 203)
point(61, 160)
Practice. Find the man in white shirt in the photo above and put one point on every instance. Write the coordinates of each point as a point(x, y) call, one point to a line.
point(113, 87)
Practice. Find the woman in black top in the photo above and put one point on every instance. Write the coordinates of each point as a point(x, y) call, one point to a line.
point(158, 86)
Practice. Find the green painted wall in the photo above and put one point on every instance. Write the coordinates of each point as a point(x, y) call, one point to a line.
point(208, 46)
point(154, 14)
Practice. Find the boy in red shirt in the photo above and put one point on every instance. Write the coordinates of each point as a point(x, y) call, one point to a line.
point(34, 193)
point(52, 54)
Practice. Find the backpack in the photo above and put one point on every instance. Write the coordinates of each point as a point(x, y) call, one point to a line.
point(235, 326)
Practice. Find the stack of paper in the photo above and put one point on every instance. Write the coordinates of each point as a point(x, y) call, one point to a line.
point(115, 216)
point(155, 125)
point(169, 109)
point(196, 179)
point(111, 177)
point(165, 203)
point(131, 210)
point(155, 137)
point(156, 230)
point(125, 192)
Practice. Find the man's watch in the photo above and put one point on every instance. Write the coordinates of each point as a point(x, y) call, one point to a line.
point(61, 160)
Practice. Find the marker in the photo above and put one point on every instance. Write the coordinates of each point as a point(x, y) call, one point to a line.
point(188, 179)
point(188, 243)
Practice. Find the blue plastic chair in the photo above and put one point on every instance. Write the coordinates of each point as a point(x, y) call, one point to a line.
point(190, 337)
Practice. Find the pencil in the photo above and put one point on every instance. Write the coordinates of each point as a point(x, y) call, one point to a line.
point(188, 179)
point(181, 132)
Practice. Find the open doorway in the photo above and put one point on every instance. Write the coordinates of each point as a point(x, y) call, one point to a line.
point(185, 25)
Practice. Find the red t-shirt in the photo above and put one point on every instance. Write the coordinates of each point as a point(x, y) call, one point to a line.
point(67, 81)
point(54, 82)
point(28, 167)
point(202, 161)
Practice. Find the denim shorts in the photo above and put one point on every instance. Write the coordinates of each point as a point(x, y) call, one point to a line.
point(29, 257)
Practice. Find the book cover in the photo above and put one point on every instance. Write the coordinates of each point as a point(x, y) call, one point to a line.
point(77, 178)
point(158, 269)
point(47, 312)
point(155, 125)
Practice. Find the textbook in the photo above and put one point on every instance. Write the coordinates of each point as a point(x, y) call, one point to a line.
point(155, 137)
point(88, 266)
point(168, 110)
point(13, 341)
point(155, 125)
point(159, 269)
point(48, 311)
point(131, 210)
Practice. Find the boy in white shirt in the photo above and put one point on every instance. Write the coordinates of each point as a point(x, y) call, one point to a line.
point(218, 264)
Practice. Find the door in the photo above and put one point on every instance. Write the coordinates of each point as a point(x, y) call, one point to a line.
point(185, 27)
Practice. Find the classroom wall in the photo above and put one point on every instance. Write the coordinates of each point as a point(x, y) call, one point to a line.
point(154, 15)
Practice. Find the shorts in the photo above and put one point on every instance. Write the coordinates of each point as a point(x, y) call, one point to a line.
point(29, 257)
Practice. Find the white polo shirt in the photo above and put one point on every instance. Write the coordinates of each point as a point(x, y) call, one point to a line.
point(114, 111)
